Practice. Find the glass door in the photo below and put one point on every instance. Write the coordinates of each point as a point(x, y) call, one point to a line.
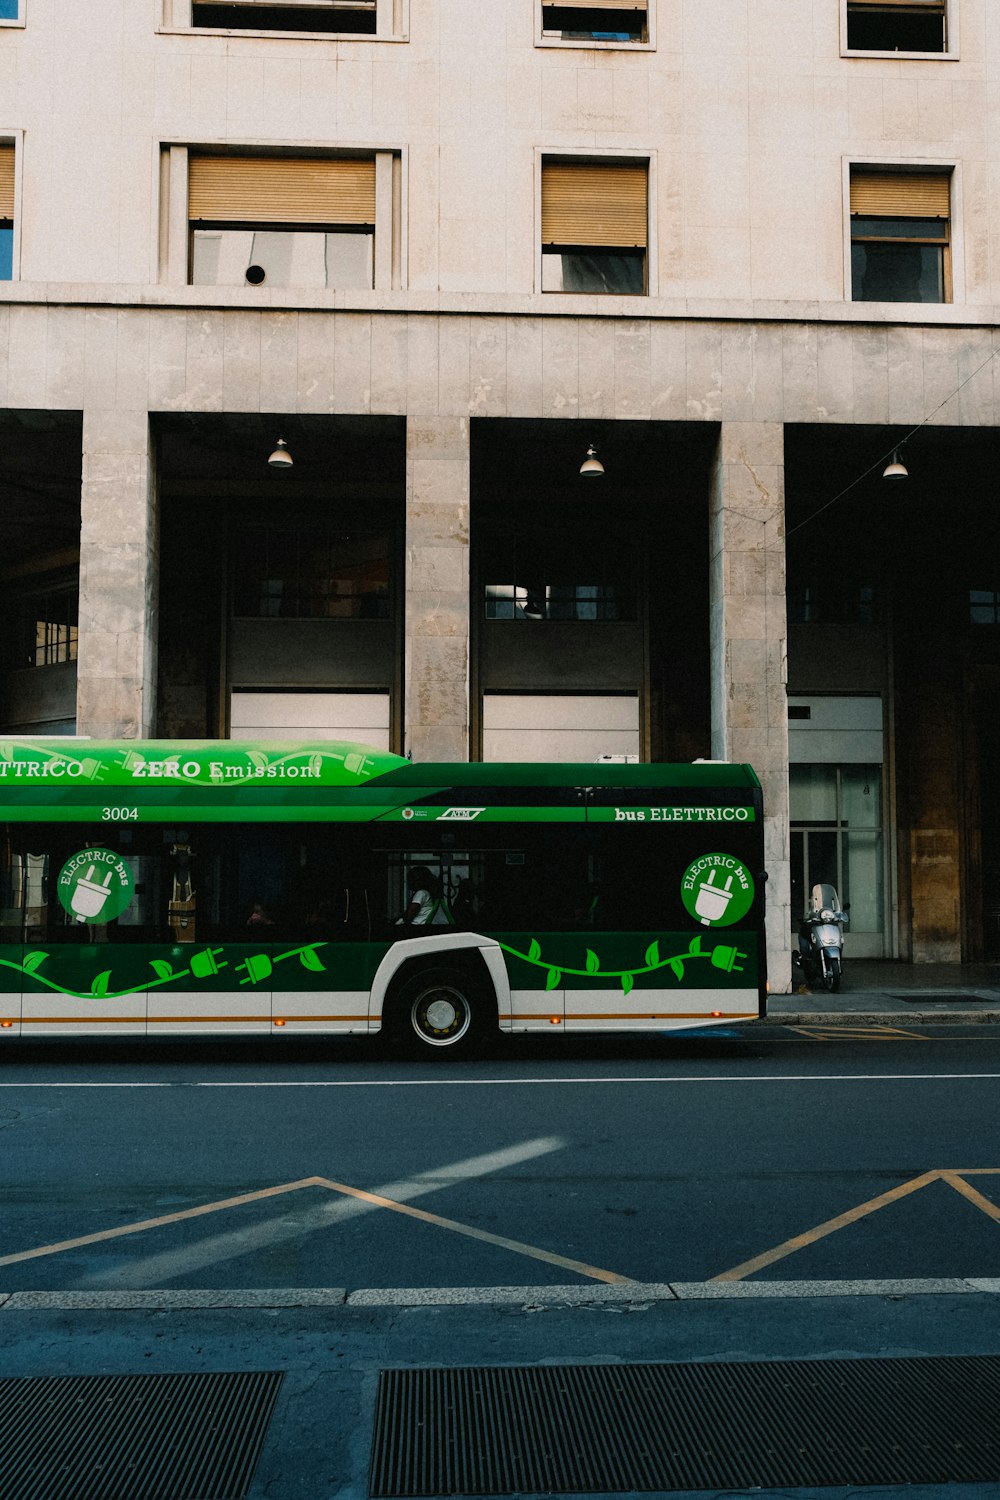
point(837, 837)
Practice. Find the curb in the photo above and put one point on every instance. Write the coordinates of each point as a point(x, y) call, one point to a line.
point(637, 1295)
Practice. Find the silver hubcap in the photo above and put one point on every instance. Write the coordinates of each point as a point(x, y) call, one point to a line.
point(441, 1016)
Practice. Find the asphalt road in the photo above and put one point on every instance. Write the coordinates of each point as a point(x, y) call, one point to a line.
point(331, 1213)
point(594, 1162)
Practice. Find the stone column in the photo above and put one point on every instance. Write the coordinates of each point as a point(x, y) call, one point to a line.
point(116, 667)
point(748, 636)
point(436, 710)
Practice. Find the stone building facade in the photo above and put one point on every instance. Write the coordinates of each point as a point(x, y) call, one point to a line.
point(744, 249)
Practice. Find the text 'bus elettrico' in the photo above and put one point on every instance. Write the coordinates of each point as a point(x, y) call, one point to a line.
point(196, 889)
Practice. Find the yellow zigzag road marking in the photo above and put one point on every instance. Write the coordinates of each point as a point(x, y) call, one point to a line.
point(374, 1199)
point(830, 1226)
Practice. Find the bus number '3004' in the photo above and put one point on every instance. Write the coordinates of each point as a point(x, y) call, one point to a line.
point(119, 814)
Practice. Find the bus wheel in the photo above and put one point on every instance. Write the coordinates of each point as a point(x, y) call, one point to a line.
point(440, 1010)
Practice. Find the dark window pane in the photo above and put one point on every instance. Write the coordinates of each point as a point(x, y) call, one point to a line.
point(284, 18)
point(308, 573)
point(896, 29)
point(44, 629)
point(899, 229)
point(897, 273)
point(6, 252)
point(984, 607)
point(618, 271)
point(580, 23)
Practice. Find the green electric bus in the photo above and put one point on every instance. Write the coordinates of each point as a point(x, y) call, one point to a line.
point(153, 888)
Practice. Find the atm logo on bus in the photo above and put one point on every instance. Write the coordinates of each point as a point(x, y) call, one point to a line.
point(466, 814)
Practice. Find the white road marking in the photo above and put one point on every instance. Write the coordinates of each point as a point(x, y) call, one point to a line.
point(470, 1083)
point(154, 1269)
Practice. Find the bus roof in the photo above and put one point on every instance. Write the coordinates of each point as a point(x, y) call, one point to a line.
point(47, 765)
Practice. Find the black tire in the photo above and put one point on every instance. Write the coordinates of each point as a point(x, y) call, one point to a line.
point(440, 1012)
point(831, 976)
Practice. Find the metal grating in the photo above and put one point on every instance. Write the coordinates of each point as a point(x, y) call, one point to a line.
point(133, 1437)
point(616, 1428)
point(953, 997)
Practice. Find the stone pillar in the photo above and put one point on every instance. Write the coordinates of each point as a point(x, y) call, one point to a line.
point(748, 640)
point(116, 668)
point(436, 710)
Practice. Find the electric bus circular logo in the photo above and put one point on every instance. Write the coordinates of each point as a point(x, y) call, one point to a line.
point(95, 885)
point(717, 890)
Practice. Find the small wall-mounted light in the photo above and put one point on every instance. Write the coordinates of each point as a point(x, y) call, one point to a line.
point(280, 458)
point(897, 469)
point(592, 468)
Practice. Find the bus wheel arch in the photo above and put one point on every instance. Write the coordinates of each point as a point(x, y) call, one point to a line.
point(442, 1004)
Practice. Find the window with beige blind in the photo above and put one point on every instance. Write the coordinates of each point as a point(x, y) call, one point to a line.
point(897, 25)
point(281, 221)
point(595, 20)
point(900, 235)
point(6, 212)
point(594, 226)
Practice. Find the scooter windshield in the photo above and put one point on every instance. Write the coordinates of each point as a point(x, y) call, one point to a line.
point(824, 898)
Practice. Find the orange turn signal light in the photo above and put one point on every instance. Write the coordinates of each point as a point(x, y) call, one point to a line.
point(279, 1023)
point(555, 1020)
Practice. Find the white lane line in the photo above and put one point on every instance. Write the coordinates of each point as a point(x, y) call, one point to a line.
point(471, 1083)
point(154, 1269)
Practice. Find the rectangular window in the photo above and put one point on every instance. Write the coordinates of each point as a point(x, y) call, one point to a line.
point(45, 628)
point(594, 220)
point(341, 17)
point(552, 576)
point(282, 222)
point(984, 607)
point(595, 20)
point(897, 26)
point(10, 10)
point(311, 573)
point(900, 240)
point(6, 212)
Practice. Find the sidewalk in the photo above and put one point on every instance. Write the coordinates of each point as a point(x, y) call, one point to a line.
point(882, 991)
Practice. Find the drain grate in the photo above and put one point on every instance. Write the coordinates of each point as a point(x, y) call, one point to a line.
point(133, 1437)
point(953, 997)
point(614, 1428)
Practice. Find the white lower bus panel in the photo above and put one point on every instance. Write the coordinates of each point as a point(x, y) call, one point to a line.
point(204, 1013)
point(656, 1010)
point(340, 1012)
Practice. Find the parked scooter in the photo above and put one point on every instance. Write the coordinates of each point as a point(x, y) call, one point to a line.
point(821, 939)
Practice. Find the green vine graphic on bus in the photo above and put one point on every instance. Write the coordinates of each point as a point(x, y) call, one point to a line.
point(203, 965)
point(723, 956)
point(255, 968)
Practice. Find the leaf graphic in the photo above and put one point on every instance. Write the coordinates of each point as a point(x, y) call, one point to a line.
point(627, 982)
point(310, 959)
point(593, 962)
point(162, 968)
point(653, 955)
point(554, 978)
point(677, 967)
point(534, 951)
point(32, 961)
point(99, 988)
point(694, 947)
